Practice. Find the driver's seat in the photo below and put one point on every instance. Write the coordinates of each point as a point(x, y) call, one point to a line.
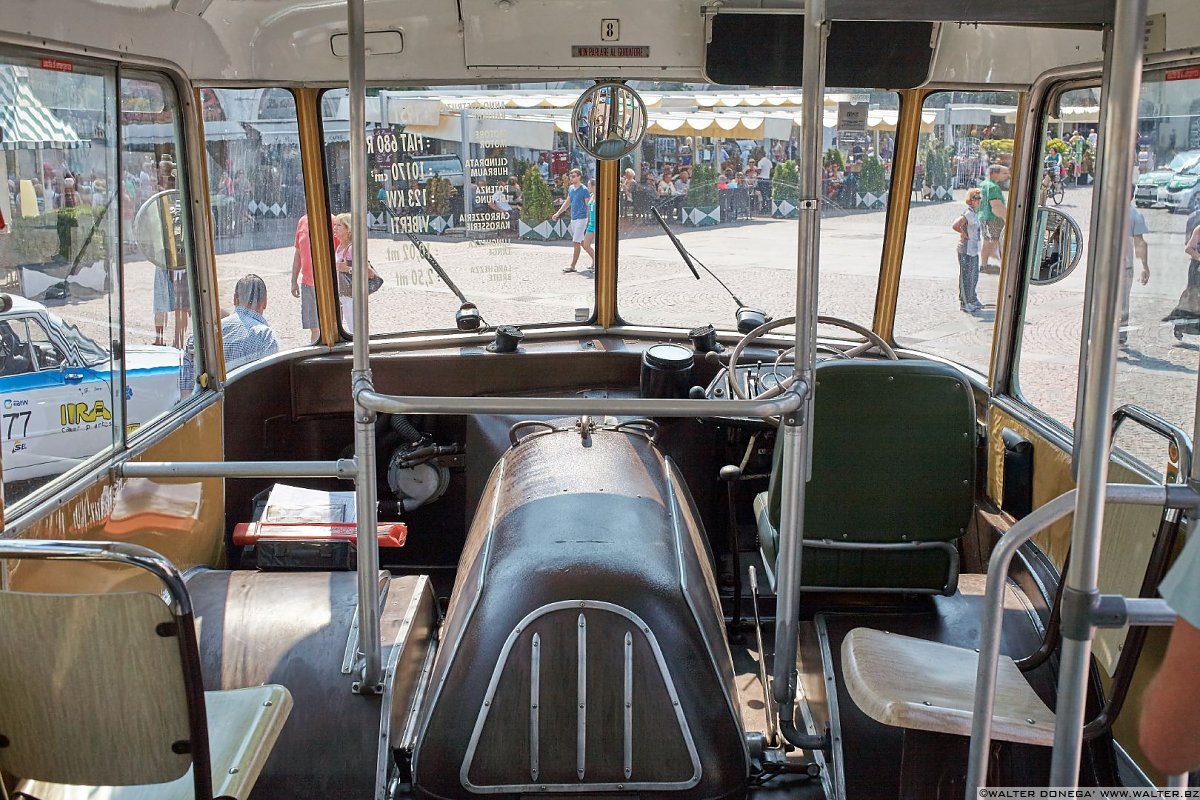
point(893, 479)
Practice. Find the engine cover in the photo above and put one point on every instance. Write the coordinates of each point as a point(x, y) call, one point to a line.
point(583, 651)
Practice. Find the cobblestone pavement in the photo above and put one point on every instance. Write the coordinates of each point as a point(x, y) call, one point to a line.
point(519, 282)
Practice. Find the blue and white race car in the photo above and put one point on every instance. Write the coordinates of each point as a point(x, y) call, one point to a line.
point(56, 391)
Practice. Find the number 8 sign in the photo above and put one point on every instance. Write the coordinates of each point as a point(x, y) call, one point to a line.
point(610, 30)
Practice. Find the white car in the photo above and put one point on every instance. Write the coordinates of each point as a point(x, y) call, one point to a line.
point(56, 391)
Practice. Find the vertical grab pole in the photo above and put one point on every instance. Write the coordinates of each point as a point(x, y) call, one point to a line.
point(796, 428)
point(360, 376)
point(1123, 78)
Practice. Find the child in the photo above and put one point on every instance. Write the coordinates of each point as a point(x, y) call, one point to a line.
point(967, 228)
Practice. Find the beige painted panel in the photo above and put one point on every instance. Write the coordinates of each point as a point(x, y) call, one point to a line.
point(182, 519)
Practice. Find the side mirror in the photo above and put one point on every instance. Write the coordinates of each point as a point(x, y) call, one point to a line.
point(1059, 243)
point(158, 231)
point(609, 121)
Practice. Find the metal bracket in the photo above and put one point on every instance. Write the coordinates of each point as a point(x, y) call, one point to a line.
point(1083, 611)
point(1077, 613)
point(808, 205)
point(797, 418)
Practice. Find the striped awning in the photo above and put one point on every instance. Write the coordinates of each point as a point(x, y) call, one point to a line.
point(26, 123)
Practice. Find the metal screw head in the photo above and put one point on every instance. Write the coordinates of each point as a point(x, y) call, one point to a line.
point(1030, 721)
point(233, 770)
point(267, 703)
point(926, 702)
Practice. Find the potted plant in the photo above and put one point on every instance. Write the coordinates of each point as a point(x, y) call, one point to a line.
point(785, 190)
point(937, 175)
point(438, 192)
point(702, 205)
point(537, 209)
point(999, 151)
point(833, 158)
point(871, 191)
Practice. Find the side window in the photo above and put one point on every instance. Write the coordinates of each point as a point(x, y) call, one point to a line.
point(58, 262)
point(1160, 276)
point(256, 192)
point(93, 236)
point(959, 196)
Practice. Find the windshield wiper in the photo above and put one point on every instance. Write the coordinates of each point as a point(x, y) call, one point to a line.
point(467, 318)
point(747, 318)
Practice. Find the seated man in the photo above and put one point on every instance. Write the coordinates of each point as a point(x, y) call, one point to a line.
point(245, 335)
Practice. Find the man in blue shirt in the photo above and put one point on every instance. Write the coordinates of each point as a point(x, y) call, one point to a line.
point(245, 335)
point(577, 202)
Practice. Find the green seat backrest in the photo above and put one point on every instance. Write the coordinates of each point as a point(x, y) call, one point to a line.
point(893, 462)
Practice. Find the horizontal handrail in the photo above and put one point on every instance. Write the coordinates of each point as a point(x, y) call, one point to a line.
point(342, 468)
point(785, 403)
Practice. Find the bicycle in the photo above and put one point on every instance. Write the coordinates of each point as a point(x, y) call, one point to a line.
point(1053, 185)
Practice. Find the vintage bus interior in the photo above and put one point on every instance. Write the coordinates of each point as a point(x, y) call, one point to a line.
point(727, 434)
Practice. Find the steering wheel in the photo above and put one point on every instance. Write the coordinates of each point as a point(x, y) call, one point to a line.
point(874, 342)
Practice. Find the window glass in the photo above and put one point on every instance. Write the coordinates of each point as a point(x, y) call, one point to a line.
point(58, 254)
point(159, 297)
point(256, 191)
point(719, 165)
point(1160, 279)
point(476, 176)
point(73, 383)
point(948, 283)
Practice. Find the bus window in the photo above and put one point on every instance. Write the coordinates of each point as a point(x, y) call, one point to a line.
point(256, 190)
point(729, 159)
point(58, 258)
point(948, 286)
point(477, 176)
point(1160, 307)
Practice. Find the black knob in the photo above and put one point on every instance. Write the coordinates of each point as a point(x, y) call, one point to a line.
point(467, 318)
point(704, 340)
point(731, 472)
point(508, 338)
point(696, 393)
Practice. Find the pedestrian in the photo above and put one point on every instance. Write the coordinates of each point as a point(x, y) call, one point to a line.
point(969, 240)
point(343, 264)
point(992, 214)
point(1186, 314)
point(245, 334)
point(577, 197)
point(1136, 248)
point(302, 278)
point(589, 233)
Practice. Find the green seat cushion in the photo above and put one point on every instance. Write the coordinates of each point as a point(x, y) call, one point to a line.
point(893, 462)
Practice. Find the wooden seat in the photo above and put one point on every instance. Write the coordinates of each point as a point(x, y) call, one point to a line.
point(929, 686)
point(101, 695)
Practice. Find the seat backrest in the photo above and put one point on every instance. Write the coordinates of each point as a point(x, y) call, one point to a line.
point(100, 689)
point(893, 464)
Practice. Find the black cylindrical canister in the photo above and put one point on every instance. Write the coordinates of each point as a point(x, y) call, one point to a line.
point(666, 371)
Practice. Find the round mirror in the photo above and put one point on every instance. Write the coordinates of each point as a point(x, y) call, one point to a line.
point(609, 121)
point(1059, 247)
point(158, 230)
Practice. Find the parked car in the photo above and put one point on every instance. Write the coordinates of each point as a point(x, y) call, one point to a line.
point(1146, 192)
point(56, 390)
point(1182, 192)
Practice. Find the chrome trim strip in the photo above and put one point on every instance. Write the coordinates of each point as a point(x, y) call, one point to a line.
point(628, 750)
point(351, 644)
point(632, 786)
point(410, 724)
point(452, 649)
point(383, 758)
point(535, 695)
point(581, 697)
point(835, 717)
point(674, 511)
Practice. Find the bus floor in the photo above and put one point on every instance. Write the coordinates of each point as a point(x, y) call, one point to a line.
point(873, 760)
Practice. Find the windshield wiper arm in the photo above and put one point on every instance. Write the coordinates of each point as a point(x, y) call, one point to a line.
point(747, 318)
point(467, 318)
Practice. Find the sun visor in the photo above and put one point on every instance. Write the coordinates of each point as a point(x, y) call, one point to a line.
point(881, 55)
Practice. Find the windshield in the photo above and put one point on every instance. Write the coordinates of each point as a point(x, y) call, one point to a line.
point(479, 177)
point(720, 165)
point(1184, 160)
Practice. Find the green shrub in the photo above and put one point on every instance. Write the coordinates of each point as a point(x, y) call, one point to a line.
point(537, 206)
point(1057, 145)
point(702, 187)
point(58, 233)
point(833, 158)
point(870, 178)
point(785, 182)
point(437, 195)
point(937, 159)
point(996, 147)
